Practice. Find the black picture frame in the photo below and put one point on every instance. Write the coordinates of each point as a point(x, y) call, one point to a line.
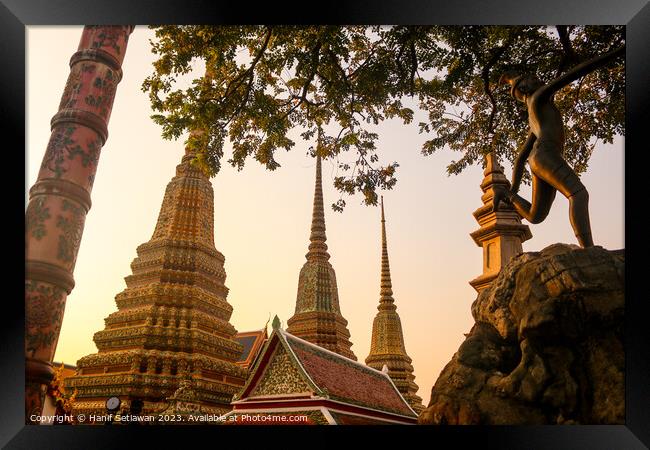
point(15, 15)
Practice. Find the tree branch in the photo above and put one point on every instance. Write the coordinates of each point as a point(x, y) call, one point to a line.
point(579, 71)
point(251, 76)
point(568, 55)
point(414, 66)
point(303, 97)
point(251, 68)
point(485, 76)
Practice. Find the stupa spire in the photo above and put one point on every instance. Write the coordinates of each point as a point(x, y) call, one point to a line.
point(317, 317)
point(387, 349)
point(317, 238)
point(386, 300)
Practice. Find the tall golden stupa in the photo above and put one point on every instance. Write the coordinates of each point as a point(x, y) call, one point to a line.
point(387, 345)
point(317, 317)
point(172, 322)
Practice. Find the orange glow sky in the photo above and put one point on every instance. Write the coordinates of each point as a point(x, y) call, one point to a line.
point(262, 219)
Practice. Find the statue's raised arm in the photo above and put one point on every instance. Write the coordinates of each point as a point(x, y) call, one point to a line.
point(544, 148)
point(578, 71)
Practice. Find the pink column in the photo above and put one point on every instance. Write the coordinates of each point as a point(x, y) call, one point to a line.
point(60, 198)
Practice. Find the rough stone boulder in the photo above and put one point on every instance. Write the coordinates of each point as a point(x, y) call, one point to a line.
point(546, 348)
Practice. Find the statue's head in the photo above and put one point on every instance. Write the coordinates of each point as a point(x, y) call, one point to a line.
point(521, 84)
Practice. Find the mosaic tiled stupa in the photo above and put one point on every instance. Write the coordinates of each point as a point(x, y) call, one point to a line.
point(172, 321)
point(317, 317)
point(387, 344)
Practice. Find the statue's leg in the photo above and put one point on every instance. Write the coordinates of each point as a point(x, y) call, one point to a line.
point(579, 216)
point(554, 170)
point(542, 199)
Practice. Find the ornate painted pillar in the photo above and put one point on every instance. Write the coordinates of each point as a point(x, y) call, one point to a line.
point(60, 198)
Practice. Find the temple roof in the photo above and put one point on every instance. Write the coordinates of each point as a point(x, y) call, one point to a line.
point(252, 342)
point(312, 374)
point(347, 380)
point(350, 419)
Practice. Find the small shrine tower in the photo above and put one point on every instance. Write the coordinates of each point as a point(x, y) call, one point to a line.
point(501, 233)
point(317, 317)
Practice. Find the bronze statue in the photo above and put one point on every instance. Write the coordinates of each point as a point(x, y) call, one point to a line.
point(543, 151)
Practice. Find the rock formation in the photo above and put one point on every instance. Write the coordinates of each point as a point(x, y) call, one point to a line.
point(546, 348)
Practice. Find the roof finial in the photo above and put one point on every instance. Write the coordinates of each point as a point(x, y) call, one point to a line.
point(492, 163)
point(317, 246)
point(276, 323)
point(386, 291)
point(266, 325)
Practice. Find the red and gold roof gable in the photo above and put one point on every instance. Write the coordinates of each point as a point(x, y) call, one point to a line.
point(291, 368)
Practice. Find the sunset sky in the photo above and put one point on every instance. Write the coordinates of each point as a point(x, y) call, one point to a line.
point(262, 219)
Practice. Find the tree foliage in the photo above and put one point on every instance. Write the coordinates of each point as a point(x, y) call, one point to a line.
point(471, 114)
point(335, 83)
